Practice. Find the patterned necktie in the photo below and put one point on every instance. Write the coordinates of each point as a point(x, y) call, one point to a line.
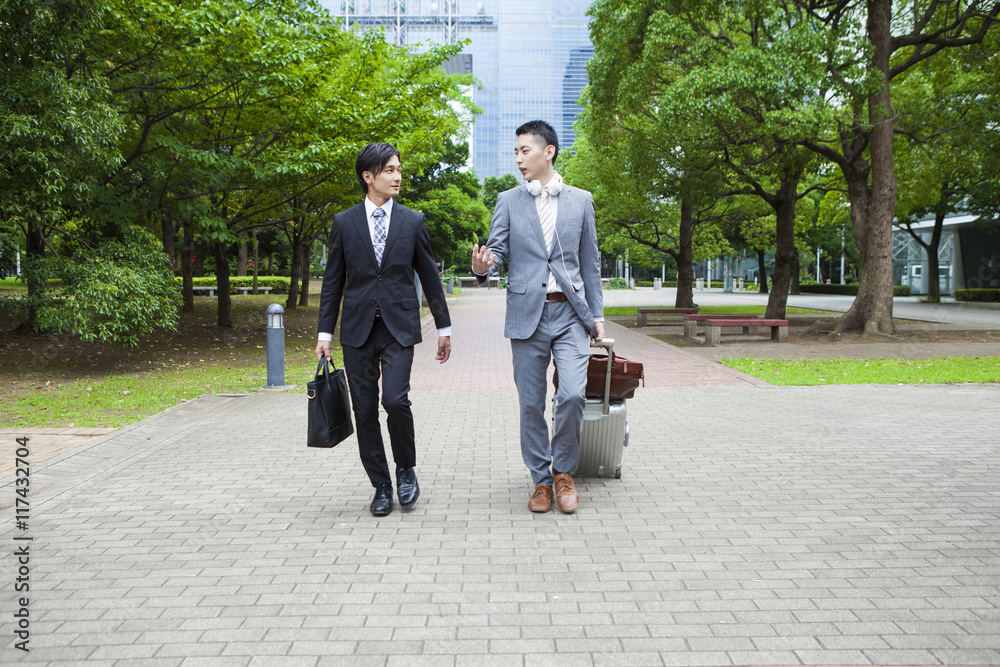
point(548, 218)
point(379, 216)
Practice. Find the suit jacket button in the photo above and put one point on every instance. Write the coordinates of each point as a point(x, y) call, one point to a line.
point(380, 277)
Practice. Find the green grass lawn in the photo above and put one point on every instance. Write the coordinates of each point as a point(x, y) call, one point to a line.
point(804, 372)
point(632, 311)
point(58, 381)
point(17, 285)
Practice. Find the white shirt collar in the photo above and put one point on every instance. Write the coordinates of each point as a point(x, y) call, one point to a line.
point(370, 208)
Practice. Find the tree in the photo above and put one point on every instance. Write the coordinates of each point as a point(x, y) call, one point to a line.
point(655, 202)
point(701, 89)
point(861, 74)
point(494, 185)
point(448, 196)
point(57, 128)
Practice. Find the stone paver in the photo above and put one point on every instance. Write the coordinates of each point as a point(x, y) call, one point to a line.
point(753, 524)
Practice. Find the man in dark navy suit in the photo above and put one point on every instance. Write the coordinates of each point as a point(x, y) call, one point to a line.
point(375, 248)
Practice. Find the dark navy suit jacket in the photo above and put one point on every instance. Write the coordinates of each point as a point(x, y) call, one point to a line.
point(353, 275)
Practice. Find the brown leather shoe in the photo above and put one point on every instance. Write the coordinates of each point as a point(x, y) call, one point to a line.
point(566, 494)
point(541, 499)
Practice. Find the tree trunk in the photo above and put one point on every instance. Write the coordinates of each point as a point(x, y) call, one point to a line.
point(256, 260)
point(933, 260)
point(796, 268)
point(35, 241)
point(871, 312)
point(785, 254)
point(762, 270)
point(222, 281)
point(241, 256)
point(293, 274)
point(187, 269)
point(169, 233)
point(304, 292)
point(684, 257)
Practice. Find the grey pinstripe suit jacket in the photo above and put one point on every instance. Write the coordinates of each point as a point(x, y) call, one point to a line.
point(516, 238)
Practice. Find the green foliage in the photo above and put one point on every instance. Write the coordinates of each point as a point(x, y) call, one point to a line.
point(448, 196)
point(115, 293)
point(58, 130)
point(494, 185)
point(617, 284)
point(981, 295)
point(807, 372)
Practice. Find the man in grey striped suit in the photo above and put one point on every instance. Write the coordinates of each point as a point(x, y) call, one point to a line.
point(544, 232)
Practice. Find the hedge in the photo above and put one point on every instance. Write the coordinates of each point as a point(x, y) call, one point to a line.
point(278, 284)
point(850, 290)
point(977, 295)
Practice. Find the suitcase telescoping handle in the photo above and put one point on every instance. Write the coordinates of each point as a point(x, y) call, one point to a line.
point(610, 344)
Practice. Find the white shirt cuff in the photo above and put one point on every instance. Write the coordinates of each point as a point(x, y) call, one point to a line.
point(598, 319)
point(328, 337)
point(446, 331)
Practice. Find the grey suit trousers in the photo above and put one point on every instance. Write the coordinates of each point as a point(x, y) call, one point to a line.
point(560, 336)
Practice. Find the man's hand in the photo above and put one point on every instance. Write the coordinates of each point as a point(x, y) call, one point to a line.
point(444, 349)
point(598, 331)
point(323, 350)
point(482, 259)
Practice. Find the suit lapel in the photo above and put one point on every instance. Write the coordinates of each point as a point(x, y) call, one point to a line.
point(396, 223)
point(565, 197)
point(364, 235)
point(531, 215)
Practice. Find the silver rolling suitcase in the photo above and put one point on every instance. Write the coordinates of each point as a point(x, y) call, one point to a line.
point(605, 431)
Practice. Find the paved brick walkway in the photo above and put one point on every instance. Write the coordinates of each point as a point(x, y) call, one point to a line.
point(479, 345)
point(753, 525)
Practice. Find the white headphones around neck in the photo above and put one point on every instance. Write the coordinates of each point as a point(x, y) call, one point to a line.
point(554, 186)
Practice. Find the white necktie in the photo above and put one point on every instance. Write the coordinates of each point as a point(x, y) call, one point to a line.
point(548, 218)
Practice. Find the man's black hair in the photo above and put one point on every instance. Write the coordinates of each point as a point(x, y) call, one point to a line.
point(373, 158)
point(543, 131)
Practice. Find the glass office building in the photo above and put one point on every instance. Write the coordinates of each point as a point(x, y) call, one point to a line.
point(529, 57)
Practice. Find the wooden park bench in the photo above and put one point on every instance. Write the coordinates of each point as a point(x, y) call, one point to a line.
point(644, 313)
point(713, 328)
point(247, 290)
point(691, 322)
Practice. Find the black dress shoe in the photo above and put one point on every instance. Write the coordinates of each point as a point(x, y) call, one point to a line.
point(382, 504)
point(407, 487)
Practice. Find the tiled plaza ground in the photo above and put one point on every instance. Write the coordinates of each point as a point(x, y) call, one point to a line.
point(753, 525)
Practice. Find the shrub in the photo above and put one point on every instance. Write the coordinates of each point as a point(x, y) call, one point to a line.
point(852, 290)
point(989, 295)
point(617, 283)
point(114, 293)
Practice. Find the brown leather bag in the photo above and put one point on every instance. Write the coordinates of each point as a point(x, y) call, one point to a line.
point(625, 376)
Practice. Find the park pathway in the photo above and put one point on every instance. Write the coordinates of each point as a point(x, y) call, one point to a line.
point(753, 525)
